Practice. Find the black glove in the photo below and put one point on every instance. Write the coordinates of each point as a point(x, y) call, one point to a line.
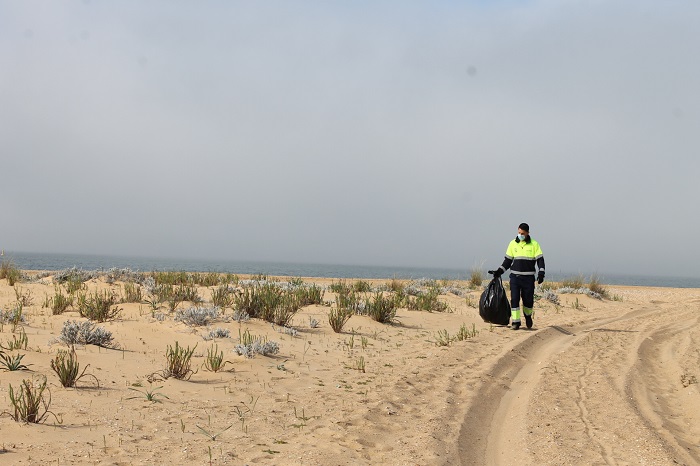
point(496, 273)
point(540, 278)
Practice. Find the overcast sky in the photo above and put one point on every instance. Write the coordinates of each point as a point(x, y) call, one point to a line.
point(354, 132)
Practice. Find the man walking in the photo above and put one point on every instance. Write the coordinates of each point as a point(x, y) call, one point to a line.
point(521, 257)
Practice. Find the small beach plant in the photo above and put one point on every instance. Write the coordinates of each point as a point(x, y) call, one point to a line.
point(132, 293)
point(14, 316)
point(173, 301)
point(340, 287)
point(31, 402)
point(250, 345)
point(17, 343)
point(218, 332)
point(284, 311)
point(464, 333)
point(214, 361)
point(60, 302)
point(74, 283)
point(360, 364)
point(573, 282)
point(338, 317)
point(12, 363)
point(178, 362)
point(595, 285)
point(307, 295)
point(160, 292)
point(85, 333)
point(443, 338)
point(9, 270)
point(197, 316)
point(222, 296)
point(476, 277)
point(428, 301)
point(23, 297)
point(99, 306)
point(212, 437)
point(65, 365)
point(362, 286)
point(188, 293)
point(395, 286)
point(150, 394)
point(381, 309)
point(349, 299)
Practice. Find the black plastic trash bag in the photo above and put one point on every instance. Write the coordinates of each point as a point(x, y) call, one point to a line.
point(493, 304)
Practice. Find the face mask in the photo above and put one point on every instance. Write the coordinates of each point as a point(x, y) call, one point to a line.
point(521, 237)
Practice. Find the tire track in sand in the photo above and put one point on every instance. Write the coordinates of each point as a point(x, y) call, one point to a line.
point(605, 450)
point(501, 403)
point(653, 395)
point(492, 433)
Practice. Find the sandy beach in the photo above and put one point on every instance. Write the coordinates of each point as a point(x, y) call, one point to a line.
point(594, 382)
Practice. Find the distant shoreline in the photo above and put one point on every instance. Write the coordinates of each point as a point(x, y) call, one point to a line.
point(54, 261)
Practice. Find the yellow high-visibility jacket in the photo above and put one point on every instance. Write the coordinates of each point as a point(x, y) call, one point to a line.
point(522, 256)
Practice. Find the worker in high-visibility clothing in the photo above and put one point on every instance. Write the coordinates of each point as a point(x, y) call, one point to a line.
point(521, 257)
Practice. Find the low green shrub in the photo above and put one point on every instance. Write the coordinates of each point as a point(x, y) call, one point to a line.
point(12, 363)
point(188, 293)
point(464, 333)
point(214, 361)
point(222, 296)
point(31, 404)
point(178, 361)
point(381, 309)
point(308, 295)
point(283, 312)
point(23, 297)
point(65, 365)
point(476, 277)
point(395, 286)
point(573, 282)
point(259, 301)
point(348, 299)
point(13, 316)
point(9, 270)
point(17, 343)
point(596, 286)
point(362, 286)
point(151, 394)
point(60, 302)
point(132, 293)
point(427, 301)
point(338, 317)
point(99, 306)
point(340, 287)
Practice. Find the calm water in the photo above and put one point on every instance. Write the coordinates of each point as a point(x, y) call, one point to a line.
point(37, 261)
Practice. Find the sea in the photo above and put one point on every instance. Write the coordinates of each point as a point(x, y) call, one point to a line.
point(54, 261)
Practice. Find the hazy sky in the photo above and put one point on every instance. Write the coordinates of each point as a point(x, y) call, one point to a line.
point(357, 132)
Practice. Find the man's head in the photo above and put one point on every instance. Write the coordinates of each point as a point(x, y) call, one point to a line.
point(524, 229)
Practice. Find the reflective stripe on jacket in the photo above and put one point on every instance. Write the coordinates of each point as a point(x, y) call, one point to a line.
point(521, 257)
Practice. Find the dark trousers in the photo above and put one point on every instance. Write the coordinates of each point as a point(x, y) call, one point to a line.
point(522, 286)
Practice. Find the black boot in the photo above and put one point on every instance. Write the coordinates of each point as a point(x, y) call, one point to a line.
point(528, 321)
point(515, 325)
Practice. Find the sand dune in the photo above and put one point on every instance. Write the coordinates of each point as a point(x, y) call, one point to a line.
point(610, 382)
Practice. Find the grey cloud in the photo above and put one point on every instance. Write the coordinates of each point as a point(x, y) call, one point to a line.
point(398, 133)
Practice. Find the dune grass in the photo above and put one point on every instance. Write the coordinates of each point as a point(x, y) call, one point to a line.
point(98, 306)
point(31, 402)
point(178, 362)
point(9, 270)
point(65, 365)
